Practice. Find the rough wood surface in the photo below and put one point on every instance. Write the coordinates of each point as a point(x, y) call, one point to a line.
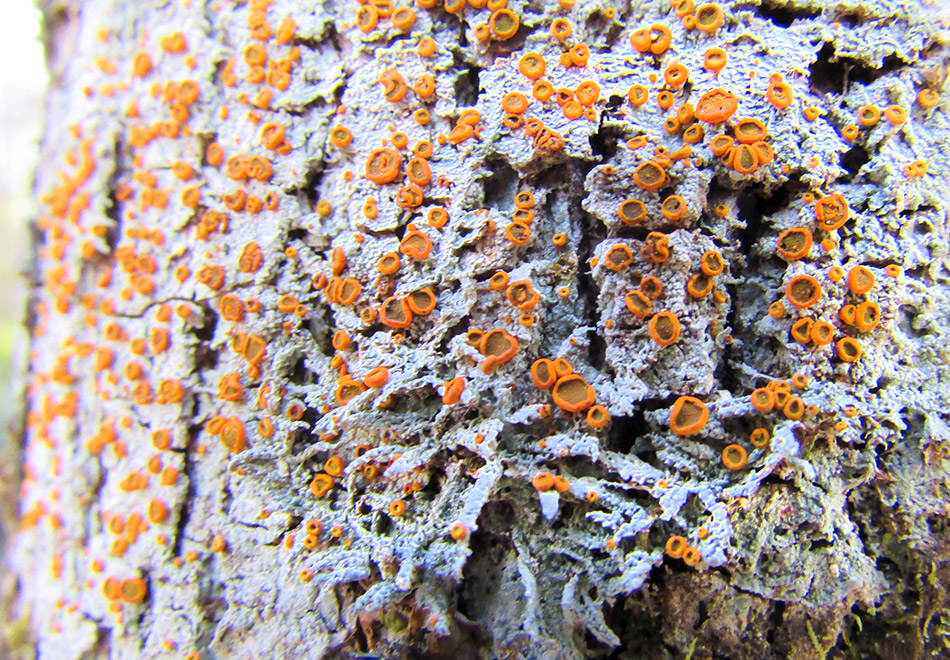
point(249, 433)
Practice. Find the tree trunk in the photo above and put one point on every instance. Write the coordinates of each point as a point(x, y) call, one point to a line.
point(350, 339)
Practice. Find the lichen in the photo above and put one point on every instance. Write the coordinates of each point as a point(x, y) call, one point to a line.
point(239, 248)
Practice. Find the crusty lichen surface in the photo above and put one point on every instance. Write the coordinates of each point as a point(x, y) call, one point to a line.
point(342, 348)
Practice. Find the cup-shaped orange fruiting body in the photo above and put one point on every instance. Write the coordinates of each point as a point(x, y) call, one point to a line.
point(394, 85)
point(675, 545)
point(664, 328)
point(780, 94)
point(867, 316)
point(562, 368)
point(711, 263)
point(639, 304)
point(388, 264)
point(452, 391)
point(762, 399)
point(801, 331)
point(573, 394)
point(543, 481)
point(794, 243)
point(347, 388)
point(716, 106)
point(382, 166)
point(745, 159)
point(649, 175)
point(763, 152)
point(688, 416)
point(734, 457)
point(676, 75)
point(458, 531)
point(522, 295)
point(415, 244)
point(848, 349)
point(321, 485)
point(543, 374)
point(632, 211)
point(699, 285)
point(349, 291)
point(587, 93)
point(794, 408)
point(651, 287)
point(598, 417)
point(760, 438)
point(421, 301)
point(832, 212)
point(561, 29)
point(673, 208)
point(822, 333)
point(395, 312)
point(376, 377)
point(518, 233)
point(618, 257)
point(656, 247)
point(638, 95)
point(860, 280)
point(498, 346)
point(708, 17)
point(132, 590)
point(847, 314)
point(233, 435)
point(532, 66)
point(803, 291)
point(749, 130)
point(694, 134)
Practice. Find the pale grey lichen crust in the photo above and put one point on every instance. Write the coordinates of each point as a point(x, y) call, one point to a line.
point(540, 575)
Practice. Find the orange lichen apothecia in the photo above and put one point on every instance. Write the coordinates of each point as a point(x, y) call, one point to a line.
point(500, 231)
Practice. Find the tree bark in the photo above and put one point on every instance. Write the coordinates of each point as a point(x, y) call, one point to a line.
point(341, 348)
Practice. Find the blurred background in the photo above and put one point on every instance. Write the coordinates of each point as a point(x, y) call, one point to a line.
point(22, 82)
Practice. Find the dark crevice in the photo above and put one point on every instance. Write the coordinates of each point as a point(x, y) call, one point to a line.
point(320, 331)
point(491, 551)
point(501, 185)
point(298, 234)
point(596, 22)
point(459, 328)
point(604, 143)
point(754, 205)
point(638, 622)
point(830, 73)
point(775, 480)
point(312, 180)
point(702, 615)
point(206, 356)
point(856, 518)
point(776, 618)
point(592, 233)
point(852, 161)
point(820, 544)
point(184, 512)
point(330, 36)
point(112, 210)
point(784, 14)
point(613, 107)
point(467, 85)
point(596, 349)
point(300, 374)
point(358, 639)
point(103, 643)
point(59, 39)
point(624, 431)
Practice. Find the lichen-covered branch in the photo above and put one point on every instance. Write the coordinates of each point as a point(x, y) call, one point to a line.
point(508, 330)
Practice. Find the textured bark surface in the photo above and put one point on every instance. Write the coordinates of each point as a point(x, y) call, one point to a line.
point(311, 374)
